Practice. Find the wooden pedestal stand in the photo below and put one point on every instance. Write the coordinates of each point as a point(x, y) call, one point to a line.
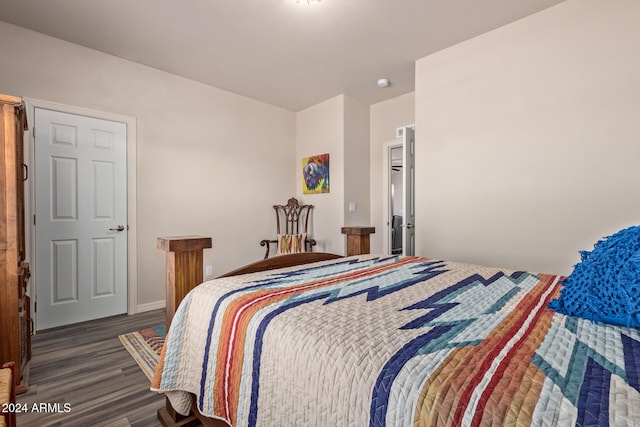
point(183, 273)
point(358, 239)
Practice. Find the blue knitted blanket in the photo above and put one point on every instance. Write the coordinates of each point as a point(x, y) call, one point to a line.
point(605, 285)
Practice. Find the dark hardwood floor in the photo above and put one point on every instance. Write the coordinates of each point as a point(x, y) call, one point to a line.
point(86, 367)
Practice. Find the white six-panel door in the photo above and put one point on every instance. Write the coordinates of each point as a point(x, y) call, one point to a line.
point(81, 213)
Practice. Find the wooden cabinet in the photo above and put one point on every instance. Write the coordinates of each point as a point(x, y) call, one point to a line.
point(15, 318)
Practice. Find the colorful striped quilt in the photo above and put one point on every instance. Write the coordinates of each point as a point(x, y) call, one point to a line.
point(396, 341)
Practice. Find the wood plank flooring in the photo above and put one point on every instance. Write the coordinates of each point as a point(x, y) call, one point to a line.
point(86, 366)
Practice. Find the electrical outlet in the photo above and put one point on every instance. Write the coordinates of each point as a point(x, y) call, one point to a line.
point(209, 270)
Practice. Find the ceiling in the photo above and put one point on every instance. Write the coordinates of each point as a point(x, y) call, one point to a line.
point(285, 53)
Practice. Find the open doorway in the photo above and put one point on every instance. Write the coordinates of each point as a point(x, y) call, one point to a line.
point(399, 194)
point(396, 195)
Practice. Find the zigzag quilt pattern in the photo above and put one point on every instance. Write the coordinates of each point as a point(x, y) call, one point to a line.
point(389, 341)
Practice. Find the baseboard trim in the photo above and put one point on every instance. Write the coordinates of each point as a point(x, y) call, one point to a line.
point(151, 306)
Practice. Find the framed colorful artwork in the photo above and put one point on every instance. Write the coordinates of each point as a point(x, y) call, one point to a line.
point(315, 174)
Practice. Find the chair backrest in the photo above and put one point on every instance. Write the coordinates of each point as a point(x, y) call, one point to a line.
point(292, 218)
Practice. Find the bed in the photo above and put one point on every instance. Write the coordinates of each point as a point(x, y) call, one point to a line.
point(375, 340)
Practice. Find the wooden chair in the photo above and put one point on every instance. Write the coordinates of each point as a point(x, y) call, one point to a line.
point(292, 222)
point(8, 394)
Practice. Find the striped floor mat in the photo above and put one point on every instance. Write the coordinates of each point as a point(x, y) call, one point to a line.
point(144, 346)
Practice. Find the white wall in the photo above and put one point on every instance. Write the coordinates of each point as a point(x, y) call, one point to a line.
point(207, 159)
point(357, 163)
point(528, 138)
point(340, 127)
point(320, 130)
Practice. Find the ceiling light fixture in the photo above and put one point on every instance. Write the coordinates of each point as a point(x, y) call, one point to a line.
point(383, 82)
point(308, 1)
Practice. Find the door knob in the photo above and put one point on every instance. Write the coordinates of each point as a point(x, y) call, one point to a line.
point(410, 225)
point(118, 228)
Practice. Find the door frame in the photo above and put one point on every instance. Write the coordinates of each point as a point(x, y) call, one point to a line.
point(409, 192)
point(386, 192)
point(132, 244)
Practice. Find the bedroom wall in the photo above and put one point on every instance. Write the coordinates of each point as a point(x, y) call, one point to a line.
point(338, 126)
point(385, 116)
point(207, 159)
point(357, 160)
point(320, 130)
point(528, 138)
